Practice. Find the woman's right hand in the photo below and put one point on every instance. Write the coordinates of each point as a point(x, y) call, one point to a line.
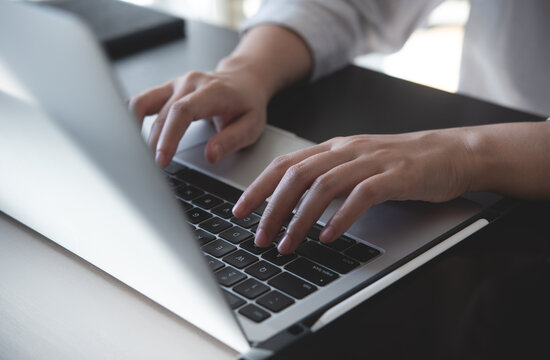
point(235, 96)
point(233, 100)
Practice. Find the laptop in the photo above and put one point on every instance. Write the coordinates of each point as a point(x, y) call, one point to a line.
point(81, 174)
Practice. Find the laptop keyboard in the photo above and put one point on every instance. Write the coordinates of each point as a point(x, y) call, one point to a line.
point(257, 282)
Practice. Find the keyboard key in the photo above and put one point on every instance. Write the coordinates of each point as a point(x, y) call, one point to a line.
point(197, 215)
point(362, 252)
point(224, 210)
point(327, 257)
point(233, 300)
point(293, 286)
point(173, 168)
point(310, 271)
point(254, 228)
point(229, 276)
point(263, 270)
point(202, 236)
point(215, 225)
point(214, 264)
point(260, 209)
point(236, 235)
point(247, 221)
point(218, 248)
point(240, 259)
point(275, 301)
point(173, 182)
point(342, 243)
point(188, 192)
point(209, 184)
point(277, 258)
point(207, 201)
point(314, 232)
point(254, 313)
point(250, 246)
point(185, 205)
point(251, 288)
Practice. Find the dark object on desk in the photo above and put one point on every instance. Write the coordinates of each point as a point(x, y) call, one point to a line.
point(124, 28)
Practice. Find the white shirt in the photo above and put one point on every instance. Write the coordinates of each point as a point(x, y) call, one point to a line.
point(506, 52)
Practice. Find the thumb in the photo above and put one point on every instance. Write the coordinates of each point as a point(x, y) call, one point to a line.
point(238, 134)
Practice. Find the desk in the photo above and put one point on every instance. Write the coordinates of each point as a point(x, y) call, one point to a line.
point(55, 306)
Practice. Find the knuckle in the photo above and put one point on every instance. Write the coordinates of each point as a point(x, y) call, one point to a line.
point(281, 163)
point(192, 77)
point(324, 184)
point(180, 107)
point(297, 172)
point(365, 190)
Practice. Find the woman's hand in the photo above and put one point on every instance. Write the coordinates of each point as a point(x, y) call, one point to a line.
point(235, 96)
point(232, 99)
point(370, 169)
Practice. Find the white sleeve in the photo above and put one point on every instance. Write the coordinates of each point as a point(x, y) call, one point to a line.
point(338, 30)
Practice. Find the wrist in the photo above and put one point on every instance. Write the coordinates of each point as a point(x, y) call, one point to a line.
point(483, 163)
point(248, 69)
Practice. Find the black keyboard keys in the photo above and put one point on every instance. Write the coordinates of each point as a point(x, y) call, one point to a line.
point(342, 243)
point(254, 313)
point(263, 270)
point(250, 246)
point(218, 248)
point(275, 301)
point(197, 215)
point(240, 259)
point(293, 286)
point(247, 221)
point(277, 258)
point(327, 257)
point(314, 232)
point(214, 263)
point(233, 300)
point(251, 288)
point(236, 234)
point(215, 225)
point(229, 276)
point(310, 271)
point(188, 192)
point(224, 210)
point(203, 237)
point(362, 252)
point(207, 201)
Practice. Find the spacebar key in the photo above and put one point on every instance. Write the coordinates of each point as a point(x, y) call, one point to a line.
point(327, 257)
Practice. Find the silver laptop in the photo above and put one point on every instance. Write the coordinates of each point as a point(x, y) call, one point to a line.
point(80, 173)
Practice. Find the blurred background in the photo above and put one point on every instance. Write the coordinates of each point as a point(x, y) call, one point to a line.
point(430, 57)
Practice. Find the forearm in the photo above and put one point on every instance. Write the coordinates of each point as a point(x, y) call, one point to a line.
point(274, 56)
point(512, 159)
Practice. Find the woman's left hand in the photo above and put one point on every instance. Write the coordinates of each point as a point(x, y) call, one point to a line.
point(431, 165)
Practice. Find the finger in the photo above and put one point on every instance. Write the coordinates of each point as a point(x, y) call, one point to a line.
point(183, 86)
point(374, 190)
point(326, 187)
point(290, 189)
point(203, 103)
point(150, 102)
point(267, 181)
point(240, 133)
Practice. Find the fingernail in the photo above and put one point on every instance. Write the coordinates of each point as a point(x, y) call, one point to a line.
point(284, 244)
point(261, 239)
point(327, 235)
point(160, 158)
